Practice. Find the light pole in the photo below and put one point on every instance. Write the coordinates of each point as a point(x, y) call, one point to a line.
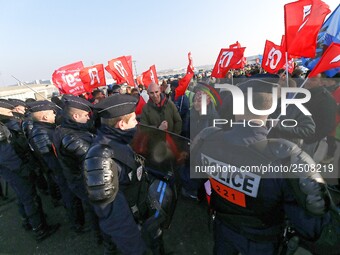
point(134, 64)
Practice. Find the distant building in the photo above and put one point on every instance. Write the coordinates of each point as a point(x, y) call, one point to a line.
point(255, 59)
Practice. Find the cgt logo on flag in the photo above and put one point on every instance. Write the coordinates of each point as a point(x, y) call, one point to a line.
point(335, 60)
point(273, 54)
point(93, 77)
point(227, 59)
point(118, 65)
point(306, 12)
point(303, 20)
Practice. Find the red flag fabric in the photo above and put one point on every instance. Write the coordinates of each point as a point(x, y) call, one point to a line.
point(283, 48)
point(273, 57)
point(235, 45)
point(303, 20)
point(121, 69)
point(150, 76)
point(183, 85)
point(114, 76)
point(129, 61)
point(241, 63)
point(92, 77)
point(329, 60)
point(190, 68)
point(143, 99)
point(66, 79)
point(227, 59)
point(140, 80)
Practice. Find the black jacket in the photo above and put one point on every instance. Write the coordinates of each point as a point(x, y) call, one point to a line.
point(71, 141)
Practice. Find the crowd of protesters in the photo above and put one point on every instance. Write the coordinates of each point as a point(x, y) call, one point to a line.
point(33, 161)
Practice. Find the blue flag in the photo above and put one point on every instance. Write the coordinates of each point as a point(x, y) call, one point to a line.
point(329, 32)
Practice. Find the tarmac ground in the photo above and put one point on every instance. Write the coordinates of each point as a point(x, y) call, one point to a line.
point(188, 233)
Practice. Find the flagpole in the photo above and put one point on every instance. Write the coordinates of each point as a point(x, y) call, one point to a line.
point(23, 83)
point(287, 80)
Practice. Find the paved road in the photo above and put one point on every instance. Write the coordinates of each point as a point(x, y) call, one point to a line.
point(188, 233)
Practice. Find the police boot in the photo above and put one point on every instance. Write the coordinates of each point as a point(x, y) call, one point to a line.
point(157, 246)
point(26, 224)
point(75, 225)
point(109, 247)
point(43, 231)
point(41, 183)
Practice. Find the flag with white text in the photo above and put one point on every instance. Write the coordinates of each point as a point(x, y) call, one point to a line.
point(66, 79)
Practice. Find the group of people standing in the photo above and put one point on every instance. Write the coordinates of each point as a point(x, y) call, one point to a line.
point(82, 151)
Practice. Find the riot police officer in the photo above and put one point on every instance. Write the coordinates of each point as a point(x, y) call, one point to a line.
point(17, 125)
point(250, 206)
point(40, 138)
point(109, 165)
point(72, 139)
point(16, 167)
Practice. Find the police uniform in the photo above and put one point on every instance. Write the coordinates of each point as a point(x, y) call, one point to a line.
point(108, 165)
point(72, 140)
point(17, 102)
point(40, 139)
point(250, 207)
point(16, 168)
point(21, 124)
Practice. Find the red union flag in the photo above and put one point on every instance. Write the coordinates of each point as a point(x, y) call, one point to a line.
point(129, 62)
point(303, 20)
point(241, 63)
point(235, 45)
point(190, 68)
point(66, 79)
point(122, 71)
point(114, 76)
point(183, 85)
point(227, 59)
point(273, 57)
point(150, 76)
point(92, 77)
point(139, 80)
point(329, 60)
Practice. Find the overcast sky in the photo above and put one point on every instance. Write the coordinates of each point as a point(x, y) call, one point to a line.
point(39, 36)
